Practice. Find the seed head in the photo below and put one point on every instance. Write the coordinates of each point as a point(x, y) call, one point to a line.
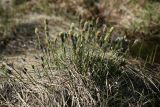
point(104, 28)
point(85, 27)
point(97, 21)
point(98, 34)
point(109, 34)
point(36, 30)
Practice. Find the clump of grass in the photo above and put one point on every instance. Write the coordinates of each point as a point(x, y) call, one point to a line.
point(81, 69)
point(91, 60)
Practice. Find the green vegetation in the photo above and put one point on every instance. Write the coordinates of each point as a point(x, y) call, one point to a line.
point(92, 63)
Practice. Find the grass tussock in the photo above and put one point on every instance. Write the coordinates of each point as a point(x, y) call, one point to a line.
point(82, 67)
point(88, 65)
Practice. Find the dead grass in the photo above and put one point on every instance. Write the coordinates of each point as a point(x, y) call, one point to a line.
point(81, 67)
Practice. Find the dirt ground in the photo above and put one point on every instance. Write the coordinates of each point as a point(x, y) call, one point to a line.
point(21, 51)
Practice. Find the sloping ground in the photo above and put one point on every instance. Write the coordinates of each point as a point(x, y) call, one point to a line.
point(22, 44)
point(22, 33)
point(18, 24)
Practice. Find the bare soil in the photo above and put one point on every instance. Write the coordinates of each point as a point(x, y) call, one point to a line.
point(21, 49)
